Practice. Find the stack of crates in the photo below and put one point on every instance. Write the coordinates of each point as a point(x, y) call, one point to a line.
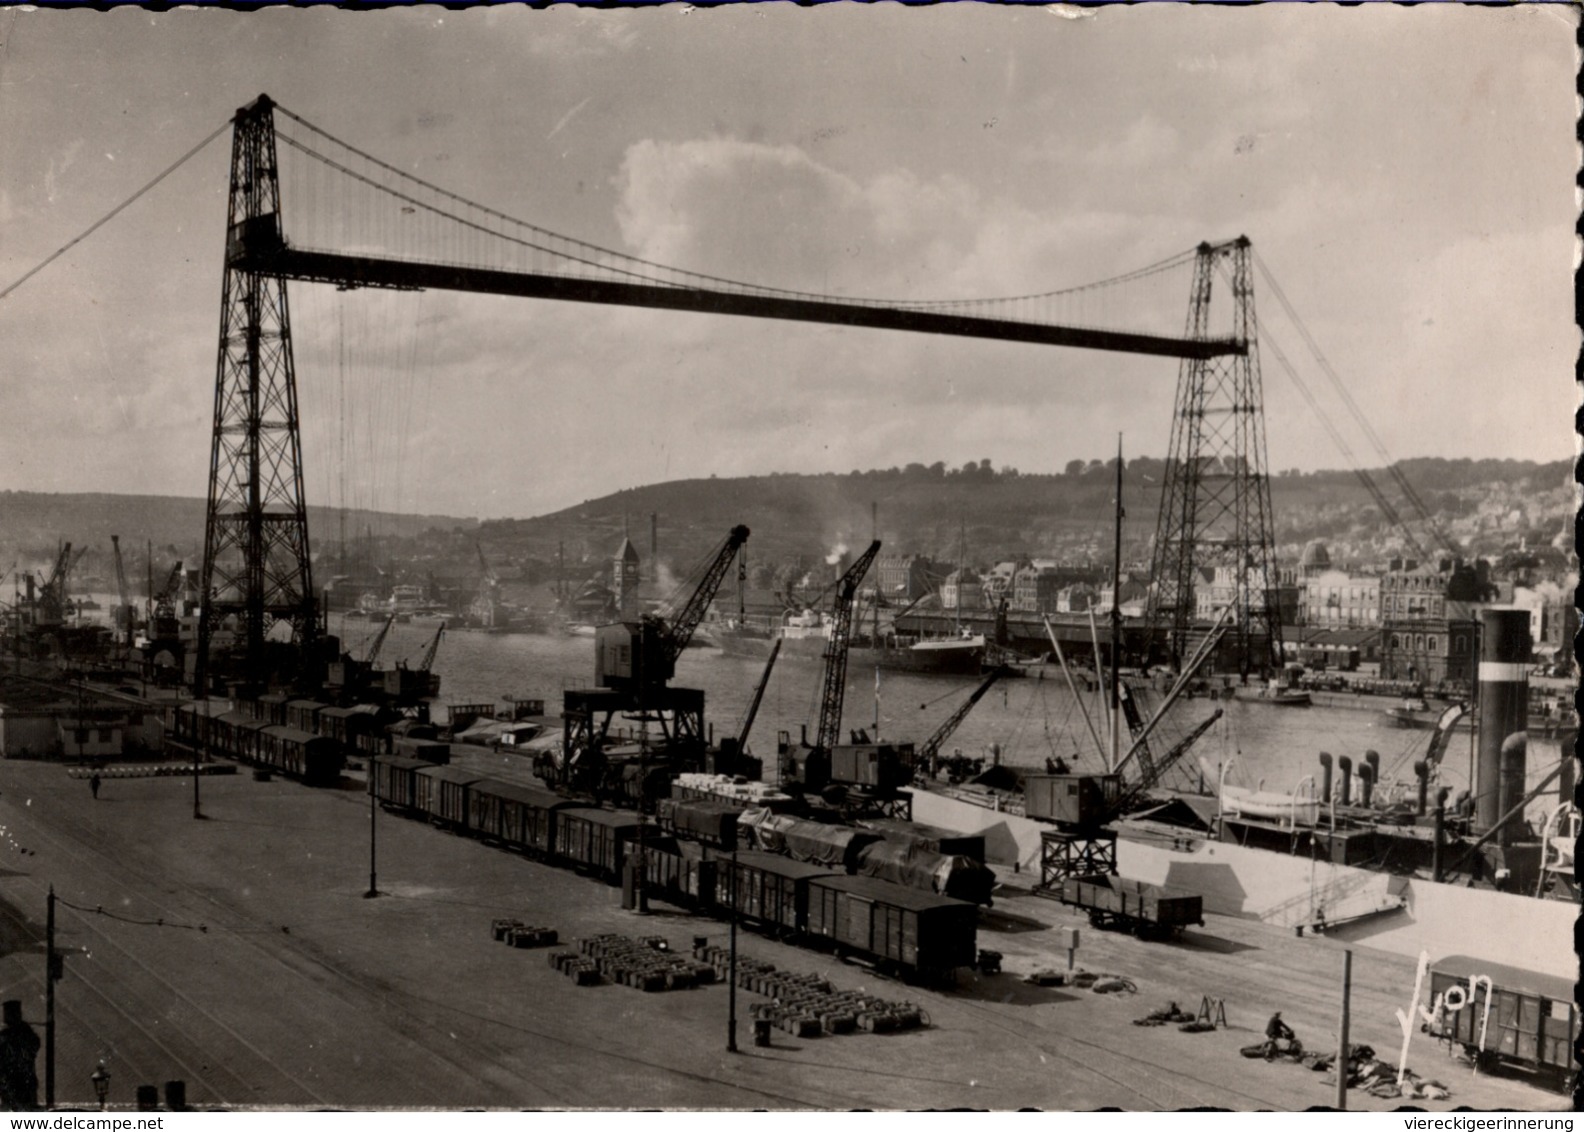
point(647, 964)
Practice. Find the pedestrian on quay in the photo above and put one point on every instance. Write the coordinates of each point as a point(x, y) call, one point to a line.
point(93, 784)
point(19, 1047)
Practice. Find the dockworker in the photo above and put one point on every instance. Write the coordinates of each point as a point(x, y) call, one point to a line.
point(19, 1047)
point(93, 784)
point(1277, 1033)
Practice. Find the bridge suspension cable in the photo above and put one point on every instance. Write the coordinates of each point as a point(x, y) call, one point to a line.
point(468, 246)
point(116, 211)
point(588, 255)
point(1355, 412)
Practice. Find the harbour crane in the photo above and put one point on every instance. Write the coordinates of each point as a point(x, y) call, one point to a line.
point(835, 681)
point(931, 746)
point(378, 642)
point(124, 611)
point(165, 623)
point(1149, 778)
point(426, 661)
point(51, 609)
point(634, 662)
point(811, 765)
point(641, 655)
point(758, 695)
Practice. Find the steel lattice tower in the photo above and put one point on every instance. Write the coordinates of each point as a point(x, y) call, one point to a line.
point(1215, 515)
point(256, 567)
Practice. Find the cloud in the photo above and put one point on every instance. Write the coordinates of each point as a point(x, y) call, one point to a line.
point(566, 32)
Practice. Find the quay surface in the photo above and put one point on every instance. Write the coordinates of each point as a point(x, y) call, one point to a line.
point(300, 992)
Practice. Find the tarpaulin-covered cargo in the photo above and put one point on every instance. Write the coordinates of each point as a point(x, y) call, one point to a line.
point(595, 839)
point(1533, 1020)
point(713, 823)
point(442, 792)
point(766, 887)
point(913, 865)
point(949, 842)
point(678, 872)
point(436, 754)
point(816, 843)
point(915, 930)
point(522, 817)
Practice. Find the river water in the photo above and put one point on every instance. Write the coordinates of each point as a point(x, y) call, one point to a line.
point(1029, 718)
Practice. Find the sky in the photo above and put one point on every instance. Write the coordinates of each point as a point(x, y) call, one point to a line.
point(1406, 175)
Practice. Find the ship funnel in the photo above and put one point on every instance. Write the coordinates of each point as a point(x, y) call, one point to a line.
point(1373, 758)
point(1366, 773)
point(1422, 771)
point(1325, 776)
point(1514, 752)
point(1503, 703)
point(1345, 772)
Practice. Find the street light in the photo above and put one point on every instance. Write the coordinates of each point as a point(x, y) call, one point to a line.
point(101, 1084)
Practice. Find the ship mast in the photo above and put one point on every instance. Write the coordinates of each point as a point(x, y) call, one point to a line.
point(1116, 619)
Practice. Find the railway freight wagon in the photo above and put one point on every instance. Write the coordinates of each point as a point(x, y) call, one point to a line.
point(315, 760)
point(595, 840)
point(766, 888)
point(234, 735)
point(518, 817)
point(709, 823)
point(304, 714)
point(441, 792)
point(900, 927)
point(395, 782)
point(1529, 1020)
point(678, 872)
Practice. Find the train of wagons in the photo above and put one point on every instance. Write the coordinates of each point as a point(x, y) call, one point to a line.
point(897, 927)
point(301, 739)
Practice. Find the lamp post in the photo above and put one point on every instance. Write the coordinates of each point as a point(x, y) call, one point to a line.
point(101, 1084)
point(731, 980)
point(373, 889)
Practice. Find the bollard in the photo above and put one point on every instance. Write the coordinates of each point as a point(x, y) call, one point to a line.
point(148, 1098)
point(176, 1096)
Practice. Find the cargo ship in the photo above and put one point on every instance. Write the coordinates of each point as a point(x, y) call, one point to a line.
point(1484, 880)
point(807, 634)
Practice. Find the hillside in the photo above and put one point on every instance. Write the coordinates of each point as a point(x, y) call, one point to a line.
point(32, 524)
point(1483, 507)
point(1486, 507)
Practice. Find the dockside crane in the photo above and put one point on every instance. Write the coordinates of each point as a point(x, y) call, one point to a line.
point(640, 656)
point(834, 685)
point(426, 661)
point(164, 623)
point(124, 611)
point(378, 642)
point(758, 695)
point(634, 662)
point(862, 776)
point(931, 746)
point(51, 607)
